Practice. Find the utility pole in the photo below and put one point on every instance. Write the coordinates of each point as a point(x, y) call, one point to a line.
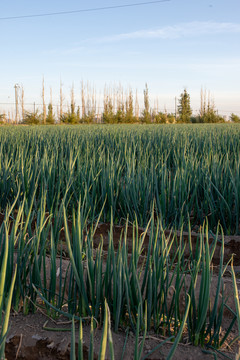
point(16, 87)
point(175, 109)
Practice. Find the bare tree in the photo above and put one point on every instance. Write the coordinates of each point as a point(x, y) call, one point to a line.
point(61, 102)
point(43, 102)
point(22, 102)
point(83, 99)
point(50, 116)
point(72, 101)
point(136, 106)
point(203, 103)
point(129, 118)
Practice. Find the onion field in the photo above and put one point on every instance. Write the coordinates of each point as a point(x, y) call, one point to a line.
point(187, 173)
point(155, 185)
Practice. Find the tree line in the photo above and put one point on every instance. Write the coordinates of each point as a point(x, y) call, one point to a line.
point(119, 107)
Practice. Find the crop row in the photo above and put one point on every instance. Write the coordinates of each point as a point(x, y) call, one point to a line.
point(187, 172)
point(57, 184)
point(160, 289)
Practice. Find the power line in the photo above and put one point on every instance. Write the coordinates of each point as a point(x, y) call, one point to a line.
point(82, 10)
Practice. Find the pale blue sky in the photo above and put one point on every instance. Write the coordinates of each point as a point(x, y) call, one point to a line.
point(170, 45)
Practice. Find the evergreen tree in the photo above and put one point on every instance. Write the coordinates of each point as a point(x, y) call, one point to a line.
point(235, 118)
point(184, 107)
point(120, 115)
point(50, 117)
point(108, 113)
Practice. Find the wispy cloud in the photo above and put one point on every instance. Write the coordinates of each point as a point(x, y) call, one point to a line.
point(178, 31)
point(190, 29)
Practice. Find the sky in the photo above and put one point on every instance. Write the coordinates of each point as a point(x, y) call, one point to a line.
point(171, 45)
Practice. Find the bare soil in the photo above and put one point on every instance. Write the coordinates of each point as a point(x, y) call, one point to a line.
point(27, 340)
